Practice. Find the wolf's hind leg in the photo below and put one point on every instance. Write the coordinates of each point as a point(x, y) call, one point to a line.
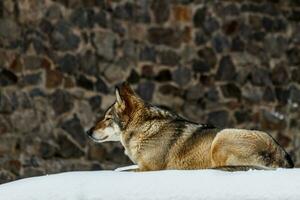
point(230, 151)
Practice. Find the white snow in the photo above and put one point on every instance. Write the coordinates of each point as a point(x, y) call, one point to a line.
point(186, 185)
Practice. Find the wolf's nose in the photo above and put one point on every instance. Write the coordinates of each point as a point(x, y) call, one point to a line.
point(90, 131)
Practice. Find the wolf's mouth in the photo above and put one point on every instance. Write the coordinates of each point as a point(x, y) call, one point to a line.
point(103, 138)
point(99, 139)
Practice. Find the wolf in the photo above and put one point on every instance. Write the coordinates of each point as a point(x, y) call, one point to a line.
point(157, 139)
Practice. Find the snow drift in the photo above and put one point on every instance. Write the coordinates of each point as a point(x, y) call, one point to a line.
point(197, 184)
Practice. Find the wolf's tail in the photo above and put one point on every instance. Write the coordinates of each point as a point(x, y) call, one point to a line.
point(233, 168)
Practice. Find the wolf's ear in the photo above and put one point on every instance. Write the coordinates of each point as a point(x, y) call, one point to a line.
point(127, 100)
point(118, 96)
point(126, 90)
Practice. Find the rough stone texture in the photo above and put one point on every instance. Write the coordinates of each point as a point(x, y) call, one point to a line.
point(228, 63)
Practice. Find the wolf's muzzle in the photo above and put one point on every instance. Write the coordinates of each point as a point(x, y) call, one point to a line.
point(90, 132)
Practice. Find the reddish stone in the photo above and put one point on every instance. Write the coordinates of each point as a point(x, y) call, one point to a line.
point(46, 63)
point(187, 34)
point(147, 71)
point(16, 65)
point(230, 27)
point(69, 82)
point(182, 13)
point(283, 140)
point(53, 78)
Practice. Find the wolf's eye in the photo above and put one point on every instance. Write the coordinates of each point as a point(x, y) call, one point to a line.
point(108, 118)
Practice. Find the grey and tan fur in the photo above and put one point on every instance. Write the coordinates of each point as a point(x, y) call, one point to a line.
point(157, 139)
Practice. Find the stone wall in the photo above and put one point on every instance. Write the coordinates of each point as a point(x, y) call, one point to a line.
point(230, 63)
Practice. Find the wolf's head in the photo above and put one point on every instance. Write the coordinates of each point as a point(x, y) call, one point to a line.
point(118, 115)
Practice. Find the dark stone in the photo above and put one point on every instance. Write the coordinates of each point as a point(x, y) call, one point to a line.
point(208, 56)
point(295, 94)
point(220, 43)
point(182, 1)
point(67, 148)
point(294, 16)
point(212, 95)
point(147, 71)
point(68, 64)
point(199, 17)
point(280, 75)
point(161, 10)
point(230, 27)
point(243, 76)
point(200, 38)
point(147, 54)
point(37, 92)
point(260, 77)
point(201, 66)
point(130, 49)
point(194, 93)
point(164, 36)
point(75, 129)
point(296, 74)
point(237, 44)
point(62, 37)
point(133, 12)
point(88, 63)
point(242, 116)
point(101, 86)
point(6, 105)
point(21, 100)
point(125, 11)
point(61, 101)
point(230, 10)
point(279, 25)
point(95, 102)
point(218, 118)
point(40, 46)
point(226, 70)
point(207, 80)
point(100, 18)
point(268, 24)
point(276, 46)
point(118, 27)
point(104, 43)
point(145, 90)
point(282, 95)
point(7, 78)
point(182, 76)
point(168, 89)
point(84, 82)
point(46, 26)
point(230, 90)
point(54, 13)
point(134, 77)
point(252, 94)
point(31, 79)
point(293, 55)
point(169, 58)
point(258, 36)
point(163, 76)
point(82, 17)
point(210, 25)
point(47, 150)
point(269, 95)
point(245, 31)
